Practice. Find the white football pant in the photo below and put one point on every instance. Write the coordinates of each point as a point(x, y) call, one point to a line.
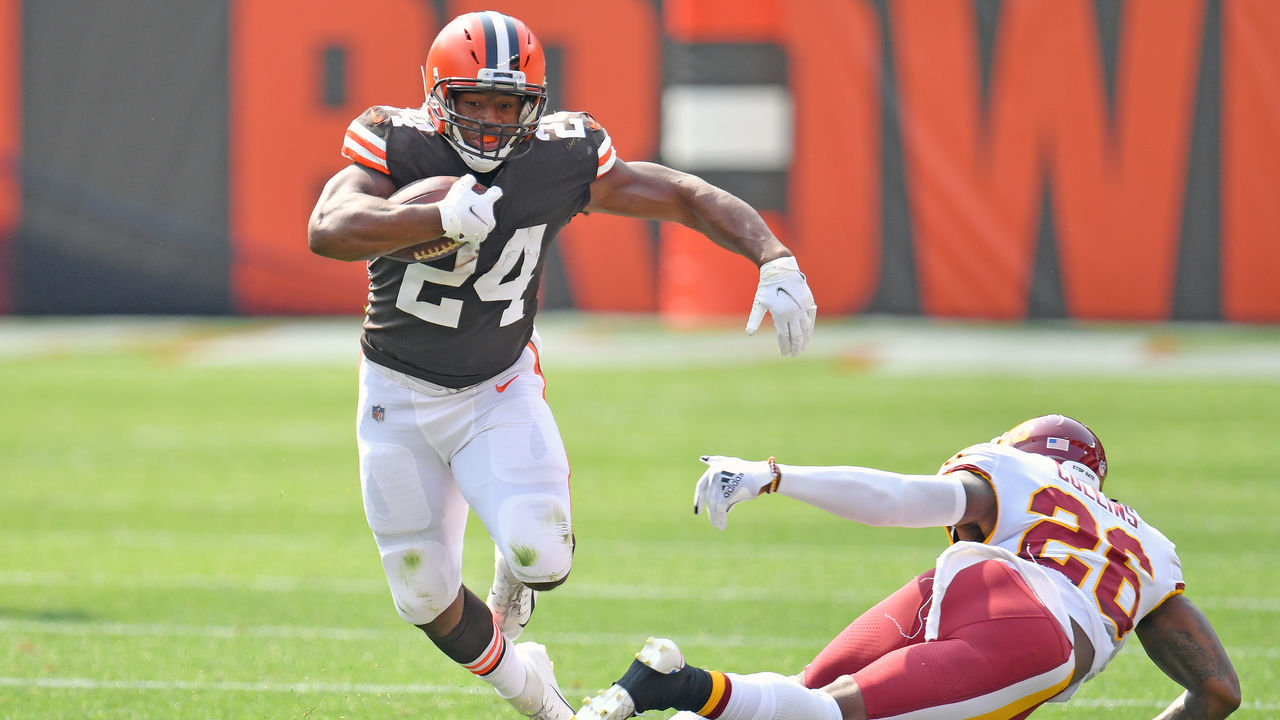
point(428, 452)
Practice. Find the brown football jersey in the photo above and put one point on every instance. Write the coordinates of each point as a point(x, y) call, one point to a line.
point(460, 320)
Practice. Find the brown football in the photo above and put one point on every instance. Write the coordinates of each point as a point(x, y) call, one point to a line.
point(419, 192)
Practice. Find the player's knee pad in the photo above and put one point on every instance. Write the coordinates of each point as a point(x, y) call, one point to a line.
point(421, 584)
point(394, 501)
point(538, 542)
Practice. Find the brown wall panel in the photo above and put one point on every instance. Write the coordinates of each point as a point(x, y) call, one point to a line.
point(123, 167)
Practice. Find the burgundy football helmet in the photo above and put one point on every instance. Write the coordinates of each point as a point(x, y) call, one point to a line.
point(1061, 438)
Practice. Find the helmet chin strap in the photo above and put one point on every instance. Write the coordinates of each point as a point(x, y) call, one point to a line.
point(479, 164)
point(1083, 473)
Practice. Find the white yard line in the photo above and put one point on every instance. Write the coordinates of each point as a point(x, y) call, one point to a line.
point(348, 634)
point(351, 586)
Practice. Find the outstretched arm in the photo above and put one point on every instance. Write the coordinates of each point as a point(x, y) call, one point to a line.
point(657, 192)
point(1180, 641)
point(864, 495)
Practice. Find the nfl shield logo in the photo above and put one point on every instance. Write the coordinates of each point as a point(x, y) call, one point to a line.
point(379, 413)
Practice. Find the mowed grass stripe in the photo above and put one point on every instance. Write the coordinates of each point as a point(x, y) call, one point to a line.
point(343, 634)
point(231, 686)
point(590, 591)
point(94, 684)
point(375, 689)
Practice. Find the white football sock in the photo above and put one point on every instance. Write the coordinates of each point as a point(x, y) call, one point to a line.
point(770, 696)
point(511, 676)
point(796, 701)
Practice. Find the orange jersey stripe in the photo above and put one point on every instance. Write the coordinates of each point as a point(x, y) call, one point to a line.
point(358, 149)
point(605, 163)
point(537, 369)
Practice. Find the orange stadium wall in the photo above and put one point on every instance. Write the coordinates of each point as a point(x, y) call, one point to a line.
point(954, 158)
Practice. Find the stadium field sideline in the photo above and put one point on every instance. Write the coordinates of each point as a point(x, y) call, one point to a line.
point(181, 532)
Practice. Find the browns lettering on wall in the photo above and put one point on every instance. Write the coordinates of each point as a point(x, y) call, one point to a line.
point(988, 160)
point(293, 95)
point(1250, 161)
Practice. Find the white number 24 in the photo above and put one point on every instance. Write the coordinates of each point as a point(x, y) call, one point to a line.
point(525, 243)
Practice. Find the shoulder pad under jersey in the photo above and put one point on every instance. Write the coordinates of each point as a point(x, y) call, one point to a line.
point(566, 126)
point(365, 141)
point(978, 458)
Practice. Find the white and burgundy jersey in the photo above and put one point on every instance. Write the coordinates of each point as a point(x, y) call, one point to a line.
point(462, 319)
point(1114, 567)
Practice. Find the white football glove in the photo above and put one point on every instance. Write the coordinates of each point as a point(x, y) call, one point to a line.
point(466, 215)
point(784, 294)
point(728, 481)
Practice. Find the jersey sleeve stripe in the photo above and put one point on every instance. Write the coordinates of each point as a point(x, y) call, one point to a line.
point(355, 153)
point(364, 147)
point(607, 157)
point(369, 139)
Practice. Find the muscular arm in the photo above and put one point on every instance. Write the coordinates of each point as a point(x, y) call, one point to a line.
point(352, 219)
point(656, 192)
point(1180, 641)
point(882, 498)
point(861, 494)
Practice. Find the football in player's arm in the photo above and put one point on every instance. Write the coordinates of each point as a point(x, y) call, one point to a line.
point(1045, 580)
point(452, 409)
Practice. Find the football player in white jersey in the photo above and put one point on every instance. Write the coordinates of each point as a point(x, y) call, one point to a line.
point(452, 411)
point(1044, 581)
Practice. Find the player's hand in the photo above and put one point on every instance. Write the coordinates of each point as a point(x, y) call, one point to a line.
point(784, 294)
point(466, 215)
point(728, 481)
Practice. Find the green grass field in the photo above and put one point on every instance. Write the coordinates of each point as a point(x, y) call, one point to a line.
point(185, 539)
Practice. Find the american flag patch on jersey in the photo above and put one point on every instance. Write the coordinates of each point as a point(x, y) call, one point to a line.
point(1054, 443)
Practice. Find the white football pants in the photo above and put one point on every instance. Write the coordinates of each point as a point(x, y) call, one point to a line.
point(428, 452)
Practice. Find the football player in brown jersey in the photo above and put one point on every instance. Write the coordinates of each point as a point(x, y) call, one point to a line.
point(1044, 582)
point(452, 411)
